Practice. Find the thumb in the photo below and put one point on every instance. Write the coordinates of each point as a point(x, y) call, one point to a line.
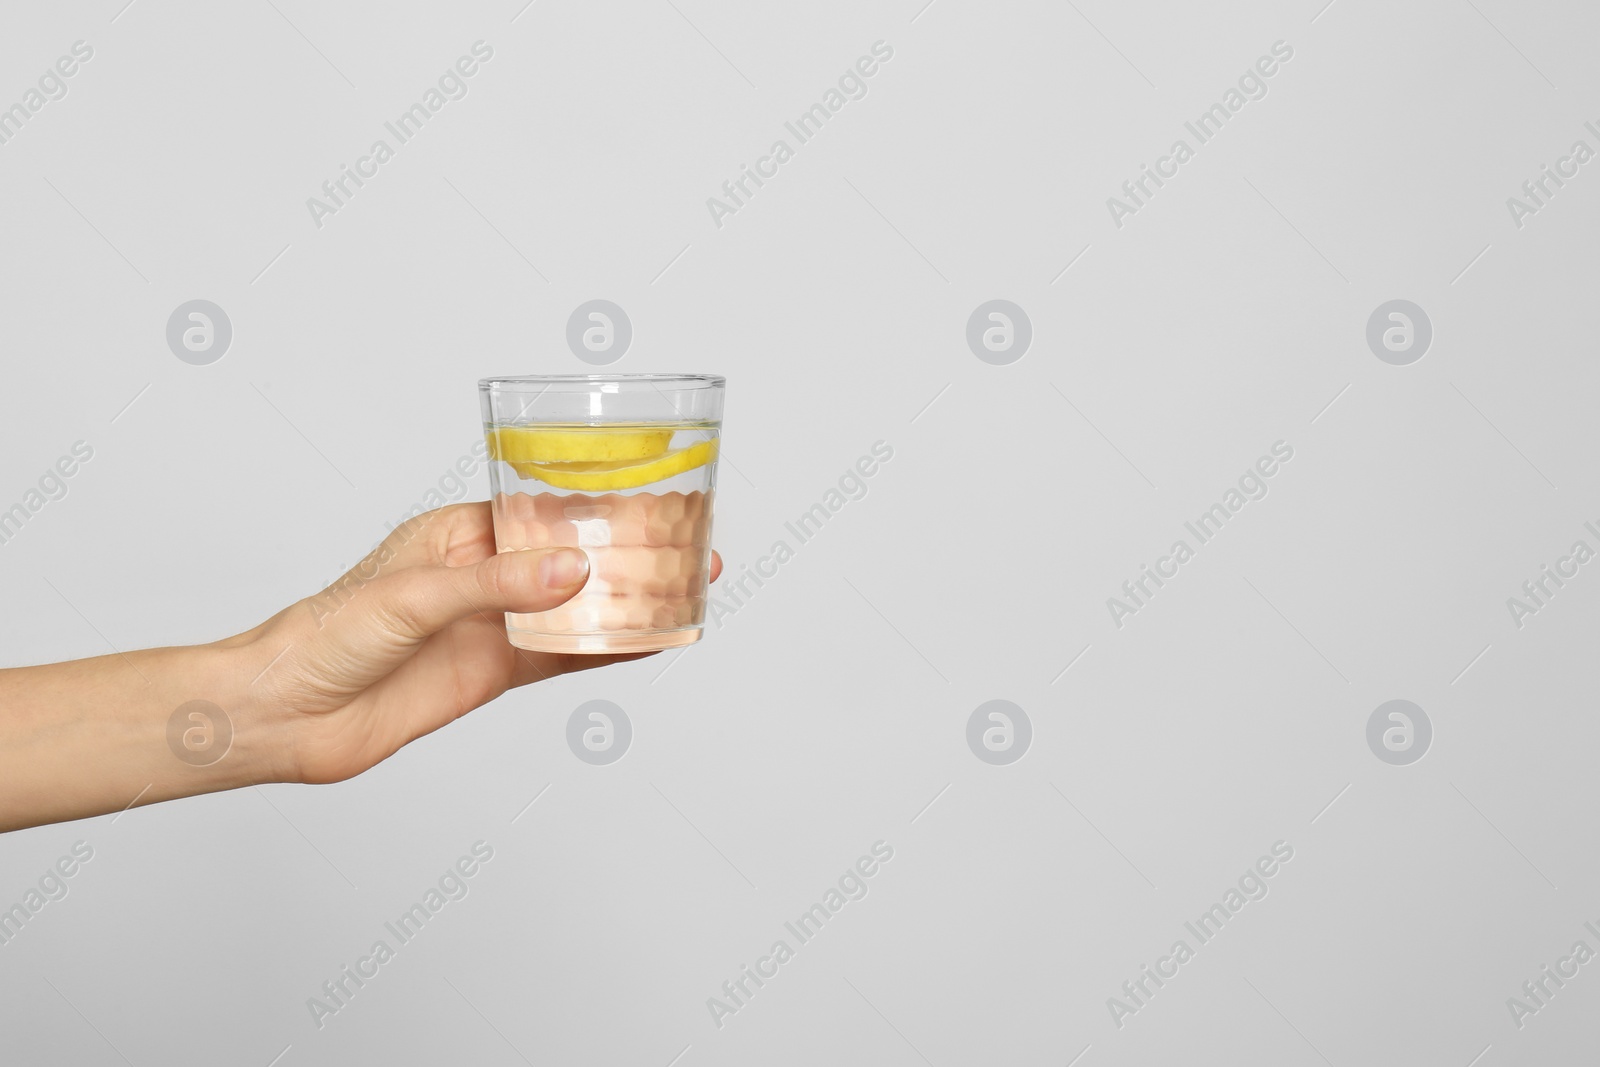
point(408, 607)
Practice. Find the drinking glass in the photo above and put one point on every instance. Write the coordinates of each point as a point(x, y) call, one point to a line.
point(624, 467)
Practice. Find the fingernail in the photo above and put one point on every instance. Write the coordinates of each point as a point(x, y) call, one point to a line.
point(567, 566)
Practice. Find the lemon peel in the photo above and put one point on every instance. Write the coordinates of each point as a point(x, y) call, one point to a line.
point(603, 475)
point(576, 444)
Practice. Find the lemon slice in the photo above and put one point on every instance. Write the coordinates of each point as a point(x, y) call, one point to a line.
point(590, 476)
point(576, 444)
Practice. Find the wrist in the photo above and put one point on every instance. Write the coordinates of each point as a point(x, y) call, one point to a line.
point(229, 727)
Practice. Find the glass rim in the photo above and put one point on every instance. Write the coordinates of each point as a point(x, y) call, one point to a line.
point(686, 381)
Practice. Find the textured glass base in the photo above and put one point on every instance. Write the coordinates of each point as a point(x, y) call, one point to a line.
point(618, 641)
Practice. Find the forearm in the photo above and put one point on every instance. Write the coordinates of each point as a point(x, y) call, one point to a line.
point(97, 735)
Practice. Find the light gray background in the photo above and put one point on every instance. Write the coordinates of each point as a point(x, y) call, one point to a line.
point(830, 711)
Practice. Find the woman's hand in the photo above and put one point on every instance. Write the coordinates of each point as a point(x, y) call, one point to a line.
point(410, 639)
point(373, 663)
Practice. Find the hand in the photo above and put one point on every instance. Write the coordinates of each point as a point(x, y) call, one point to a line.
point(368, 666)
point(410, 639)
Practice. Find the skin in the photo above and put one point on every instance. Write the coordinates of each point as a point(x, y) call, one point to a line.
point(320, 692)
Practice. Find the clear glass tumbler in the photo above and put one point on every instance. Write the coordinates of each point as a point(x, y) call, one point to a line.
point(622, 466)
